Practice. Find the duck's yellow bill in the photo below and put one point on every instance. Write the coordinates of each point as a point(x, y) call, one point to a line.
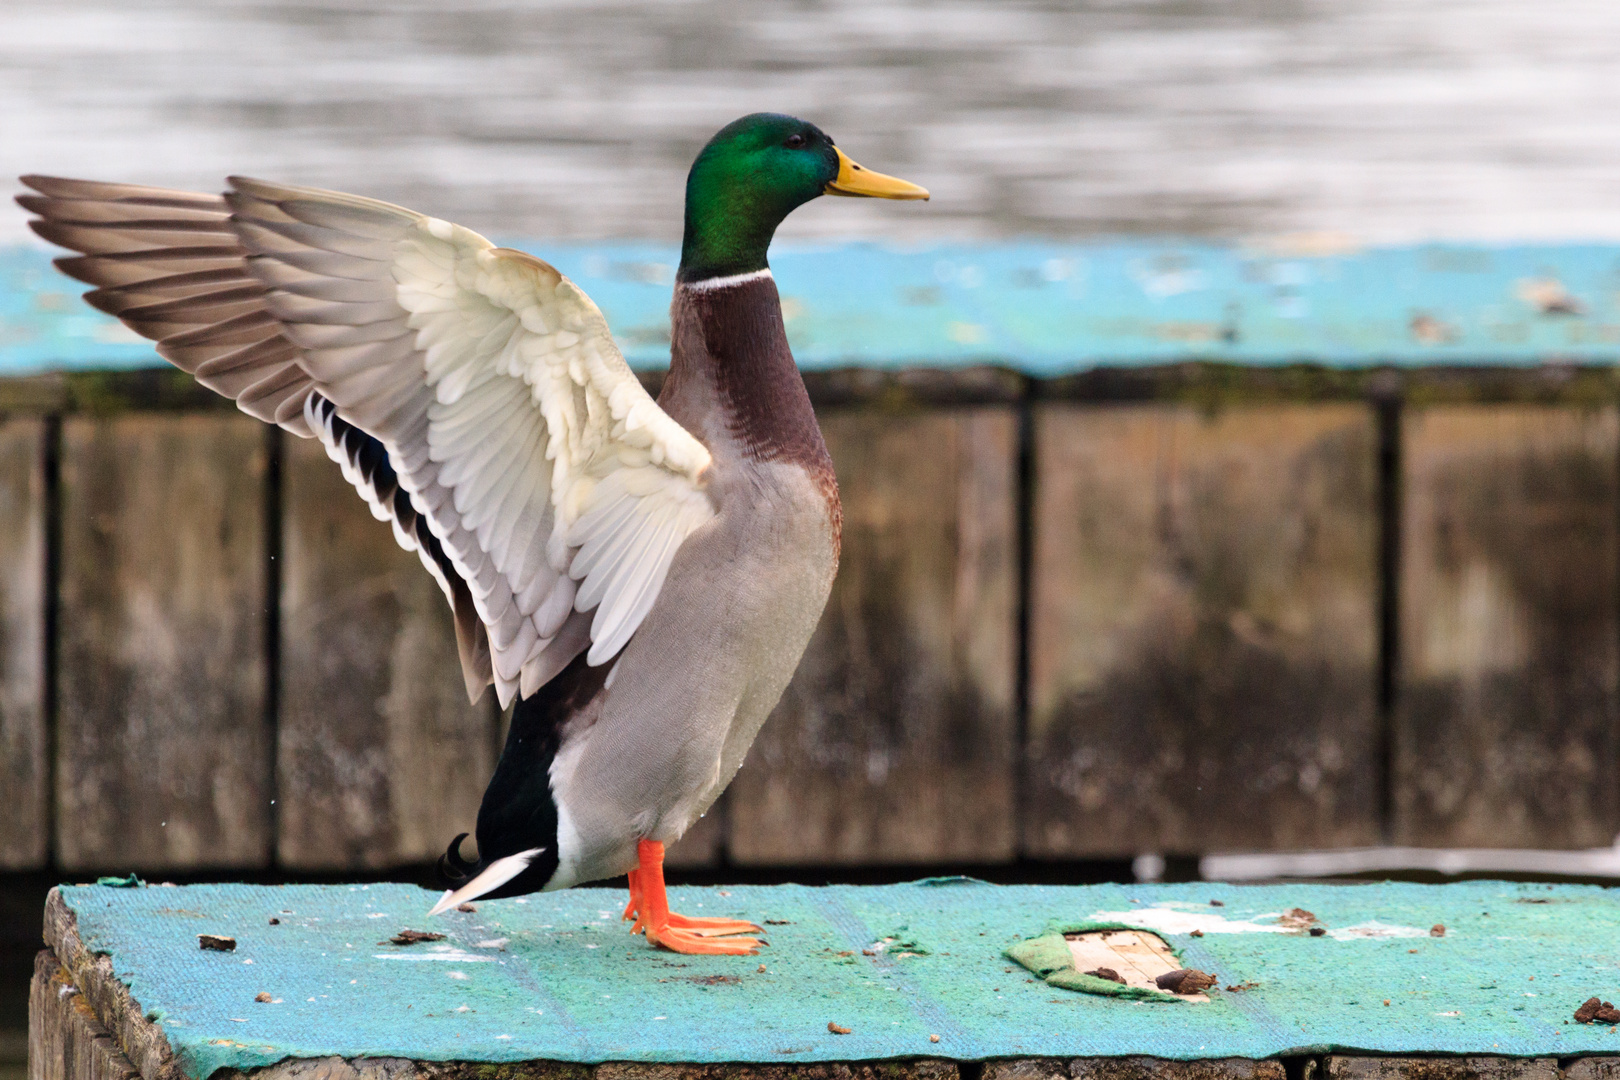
point(854, 180)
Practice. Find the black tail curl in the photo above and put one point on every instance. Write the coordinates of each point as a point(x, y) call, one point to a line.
point(455, 871)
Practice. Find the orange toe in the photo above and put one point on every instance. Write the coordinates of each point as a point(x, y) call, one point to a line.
point(712, 927)
point(692, 943)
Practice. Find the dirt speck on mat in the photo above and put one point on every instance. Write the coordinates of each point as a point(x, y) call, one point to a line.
point(1106, 973)
point(1317, 931)
point(1592, 1009)
point(833, 1027)
point(1297, 919)
point(1238, 988)
point(1185, 981)
point(467, 907)
point(216, 943)
point(1437, 930)
point(411, 937)
point(263, 997)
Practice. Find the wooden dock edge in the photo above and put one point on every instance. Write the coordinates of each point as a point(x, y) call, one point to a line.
point(84, 1025)
point(107, 997)
point(65, 1039)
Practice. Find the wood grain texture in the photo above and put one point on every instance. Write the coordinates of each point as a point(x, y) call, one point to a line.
point(1505, 730)
point(895, 740)
point(66, 1041)
point(1203, 630)
point(1593, 1068)
point(381, 759)
point(1473, 1067)
point(106, 995)
point(1135, 1067)
point(163, 747)
point(23, 776)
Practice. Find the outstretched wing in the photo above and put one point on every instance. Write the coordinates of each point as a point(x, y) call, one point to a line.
point(472, 394)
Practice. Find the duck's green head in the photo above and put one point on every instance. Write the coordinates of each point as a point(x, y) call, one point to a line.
point(752, 174)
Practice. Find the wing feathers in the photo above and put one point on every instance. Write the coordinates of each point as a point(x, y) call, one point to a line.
point(471, 394)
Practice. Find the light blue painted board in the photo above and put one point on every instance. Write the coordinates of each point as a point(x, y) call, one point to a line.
point(557, 976)
point(1043, 309)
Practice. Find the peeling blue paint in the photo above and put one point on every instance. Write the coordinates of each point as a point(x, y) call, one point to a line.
point(1041, 308)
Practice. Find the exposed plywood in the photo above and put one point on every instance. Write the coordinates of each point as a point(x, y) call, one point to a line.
point(895, 740)
point(1506, 717)
point(23, 776)
point(1203, 630)
point(163, 756)
point(1136, 956)
point(381, 759)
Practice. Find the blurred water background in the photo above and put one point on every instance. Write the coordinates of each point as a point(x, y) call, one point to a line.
point(1384, 120)
point(1338, 121)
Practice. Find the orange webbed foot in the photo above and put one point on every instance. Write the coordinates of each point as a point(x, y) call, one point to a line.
point(695, 936)
point(691, 943)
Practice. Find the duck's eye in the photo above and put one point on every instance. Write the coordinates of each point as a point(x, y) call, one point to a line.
point(795, 142)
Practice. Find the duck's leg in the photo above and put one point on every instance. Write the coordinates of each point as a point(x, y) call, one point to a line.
point(632, 910)
point(680, 933)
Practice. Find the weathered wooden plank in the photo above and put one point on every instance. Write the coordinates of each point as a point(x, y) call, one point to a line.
point(163, 749)
point(1593, 1068)
point(895, 741)
point(1132, 1068)
point(1505, 731)
point(1473, 1067)
point(1203, 630)
point(106, 995)
point(381, 759)
point(66, 1041)
point(23, 775)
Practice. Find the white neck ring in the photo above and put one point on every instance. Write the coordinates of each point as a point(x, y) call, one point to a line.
point(710, 284)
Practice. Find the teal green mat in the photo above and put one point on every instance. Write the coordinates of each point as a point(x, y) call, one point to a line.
point(556, 976)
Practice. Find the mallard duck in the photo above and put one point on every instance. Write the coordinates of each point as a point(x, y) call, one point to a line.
point(640, 576)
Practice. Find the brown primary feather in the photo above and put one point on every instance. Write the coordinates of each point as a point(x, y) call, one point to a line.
point(168, 264)
point(176, 268)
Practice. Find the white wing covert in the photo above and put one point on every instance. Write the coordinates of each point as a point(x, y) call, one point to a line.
point(553, 483)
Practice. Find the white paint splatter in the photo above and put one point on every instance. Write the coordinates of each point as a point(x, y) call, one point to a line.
point(1171, 917)
point(1166, 921)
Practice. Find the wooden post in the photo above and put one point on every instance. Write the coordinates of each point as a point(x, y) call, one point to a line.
point(1505, 730)
point(163, 752)
point(23, 775)
point(895, 741)
point(381, 758)
point(1203, 630)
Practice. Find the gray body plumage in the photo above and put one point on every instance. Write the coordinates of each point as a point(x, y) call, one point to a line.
point(655, 748)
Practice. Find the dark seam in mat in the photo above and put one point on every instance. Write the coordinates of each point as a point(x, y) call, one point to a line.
point(857, 936)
